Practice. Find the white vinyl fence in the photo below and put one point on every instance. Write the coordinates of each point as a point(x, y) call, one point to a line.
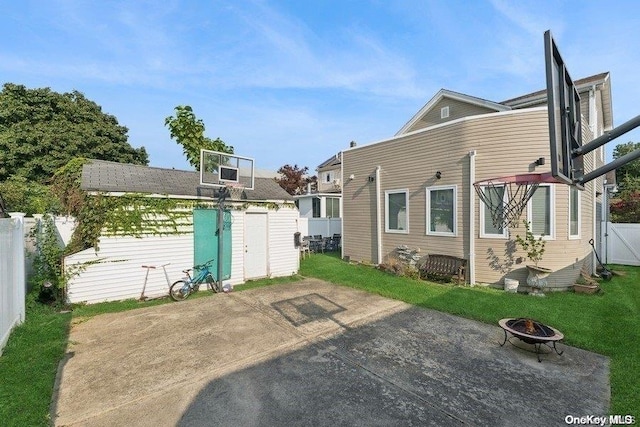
point(326, 227)
point(12, 275)
point(622, 243)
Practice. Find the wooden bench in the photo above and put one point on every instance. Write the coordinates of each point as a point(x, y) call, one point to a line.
point(444, 267)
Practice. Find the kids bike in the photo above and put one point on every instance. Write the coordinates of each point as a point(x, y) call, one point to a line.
point(181, 289)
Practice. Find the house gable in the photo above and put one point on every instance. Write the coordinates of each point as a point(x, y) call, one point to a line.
point(600, 84)
point(446, 106)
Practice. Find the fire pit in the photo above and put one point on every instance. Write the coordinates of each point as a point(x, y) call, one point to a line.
point(531, 332)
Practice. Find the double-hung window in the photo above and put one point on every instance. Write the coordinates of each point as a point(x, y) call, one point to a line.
point(315, 207)
point(396, 211)
point(488, 229)
point(540, 212)
point(332, 208)
point(574, 213)
point(441, 211)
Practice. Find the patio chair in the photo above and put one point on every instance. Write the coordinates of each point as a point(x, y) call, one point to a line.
point(305, 247)
point(316, 243)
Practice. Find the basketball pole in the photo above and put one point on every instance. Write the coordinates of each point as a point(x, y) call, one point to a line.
point(222, 195)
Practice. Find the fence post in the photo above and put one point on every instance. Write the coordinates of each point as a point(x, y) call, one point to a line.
point(19, 282)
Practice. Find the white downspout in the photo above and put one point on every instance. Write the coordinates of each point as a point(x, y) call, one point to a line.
point(593, 125)
point(472, 220)
point(378, 217)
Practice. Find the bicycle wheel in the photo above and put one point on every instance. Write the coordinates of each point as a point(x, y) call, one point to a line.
point(180, 290)
point(212, 284)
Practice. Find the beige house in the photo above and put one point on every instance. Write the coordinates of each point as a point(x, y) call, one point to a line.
point(416, 188)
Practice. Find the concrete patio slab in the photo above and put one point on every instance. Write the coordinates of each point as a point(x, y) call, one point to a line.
point(312, 353)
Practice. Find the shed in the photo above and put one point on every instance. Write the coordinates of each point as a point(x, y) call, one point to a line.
point(262, 224)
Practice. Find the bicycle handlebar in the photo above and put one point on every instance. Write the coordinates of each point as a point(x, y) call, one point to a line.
point(206, 264)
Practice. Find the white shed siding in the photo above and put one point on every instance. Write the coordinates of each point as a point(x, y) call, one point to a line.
point(118, 273)
point(237, 245)
point(283, 255)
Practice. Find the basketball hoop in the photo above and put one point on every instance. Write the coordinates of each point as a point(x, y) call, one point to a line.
point(235, 190)
point(507, 196)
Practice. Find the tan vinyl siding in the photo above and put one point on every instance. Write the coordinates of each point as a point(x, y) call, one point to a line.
point(457, 110)
point(563, 255)
point(506, 143)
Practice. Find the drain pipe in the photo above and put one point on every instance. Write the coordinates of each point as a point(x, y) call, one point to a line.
point(472, 219)
point(378, 217)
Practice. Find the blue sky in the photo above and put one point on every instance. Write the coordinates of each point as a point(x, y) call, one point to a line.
point(295, 81)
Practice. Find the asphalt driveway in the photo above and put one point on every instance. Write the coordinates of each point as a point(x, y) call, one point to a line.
point(311, 353)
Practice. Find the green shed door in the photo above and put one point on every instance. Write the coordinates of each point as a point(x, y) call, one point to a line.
point(205, 240)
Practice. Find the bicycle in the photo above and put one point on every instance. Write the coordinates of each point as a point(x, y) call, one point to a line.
point(182, 288)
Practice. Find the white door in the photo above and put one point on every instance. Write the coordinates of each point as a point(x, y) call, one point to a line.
point(255, 245)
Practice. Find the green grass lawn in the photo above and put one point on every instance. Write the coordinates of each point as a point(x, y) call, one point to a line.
point(608, 323)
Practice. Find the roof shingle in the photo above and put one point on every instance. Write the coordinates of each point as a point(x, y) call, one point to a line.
point(100, 175)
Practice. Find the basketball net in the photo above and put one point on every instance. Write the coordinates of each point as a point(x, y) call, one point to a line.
point(235, 190)
point(506, 197)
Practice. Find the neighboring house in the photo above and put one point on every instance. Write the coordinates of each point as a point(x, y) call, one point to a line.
point(416, 188)
point(261, 226)
point(323, 207)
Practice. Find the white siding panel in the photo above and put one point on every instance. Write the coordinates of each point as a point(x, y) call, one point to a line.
point(284, 258)
point(237, 243)
point(115, 272)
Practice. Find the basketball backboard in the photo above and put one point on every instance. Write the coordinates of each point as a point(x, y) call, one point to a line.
point(223, 169)
point(565, 123)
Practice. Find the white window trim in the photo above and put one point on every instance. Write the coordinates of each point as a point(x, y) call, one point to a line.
point(485, 235)
point(444, 112)
point(455, 210)
point(386, 210)
point(575, 236)
point(552, 213)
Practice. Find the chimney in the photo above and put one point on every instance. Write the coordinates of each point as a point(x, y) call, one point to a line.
point(352, 144)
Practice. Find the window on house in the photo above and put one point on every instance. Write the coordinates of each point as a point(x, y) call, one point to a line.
point(441, 211)
point(574, 213)
point(444, 112)
point(327, 177)
point(396, 211)
point(540, 212)
point(315, 207)
point(332, 207)
point(487, 228)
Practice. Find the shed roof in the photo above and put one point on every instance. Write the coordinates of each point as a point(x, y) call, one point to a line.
point(101, 175)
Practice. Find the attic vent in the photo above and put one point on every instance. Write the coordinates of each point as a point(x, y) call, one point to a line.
point(444, 112)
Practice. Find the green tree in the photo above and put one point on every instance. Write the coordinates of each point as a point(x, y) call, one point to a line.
point(631, 169)
point(188, 131)
point(31, 198)
point(41, 130)
point(625, 207)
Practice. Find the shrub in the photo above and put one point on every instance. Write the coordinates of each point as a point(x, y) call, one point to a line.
point(532, 246)
point(29, 197)
point(47, 280)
